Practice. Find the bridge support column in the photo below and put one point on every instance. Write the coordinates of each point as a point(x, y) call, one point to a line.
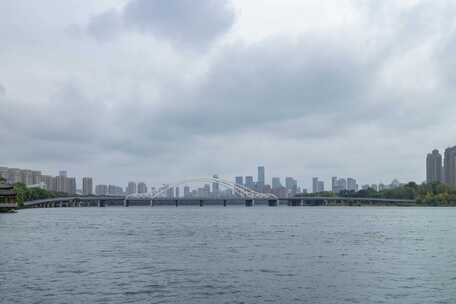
point(201, 203)
point(273, 203)
point(151, 203)
point(224, 203)
point(60, 204)
point(177, 203)
point(249, 203)
point(126, 203)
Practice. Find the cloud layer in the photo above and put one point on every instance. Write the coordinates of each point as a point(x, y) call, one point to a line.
point(158, 99)
point(183, 23)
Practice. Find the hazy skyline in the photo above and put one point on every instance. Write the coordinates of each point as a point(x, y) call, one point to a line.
point(156, 90)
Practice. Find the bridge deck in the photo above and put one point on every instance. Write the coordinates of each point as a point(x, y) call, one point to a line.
point(215, 201)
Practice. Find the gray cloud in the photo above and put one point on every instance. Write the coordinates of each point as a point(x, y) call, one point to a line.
point(348, 101)
point(105, 26)
point(184, 23)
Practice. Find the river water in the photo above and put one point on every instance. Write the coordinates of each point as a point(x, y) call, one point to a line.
point(228, 255)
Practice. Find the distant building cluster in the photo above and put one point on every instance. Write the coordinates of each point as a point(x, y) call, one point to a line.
point(441, 169)
point(61, 183)
point(343, 184)
point(380, 187)
point(287, 187)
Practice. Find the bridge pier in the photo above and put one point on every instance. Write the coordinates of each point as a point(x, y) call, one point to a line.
point(151, 203)
point(249, 203)
point(201, 203)
point(295, 202)
point(273, 203)
point(224, 203)
point(177, 203)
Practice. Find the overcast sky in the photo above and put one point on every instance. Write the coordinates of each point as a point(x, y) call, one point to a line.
point(160, 90)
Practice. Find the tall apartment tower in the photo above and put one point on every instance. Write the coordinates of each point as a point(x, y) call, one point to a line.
point(450, 166)
point(215, 186)
point(334, 184)
point(434, 169)
point(249, 182)
point(261, 179)
point(142, 187)
point(87, 186)
point(351, 184)
point(131, 188)
point(261, 175)
point(315, 184)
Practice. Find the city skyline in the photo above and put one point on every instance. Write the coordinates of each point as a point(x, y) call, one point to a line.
point(282, 187)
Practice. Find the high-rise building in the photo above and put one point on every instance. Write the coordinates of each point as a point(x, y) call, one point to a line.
point(261, 179)
point(170, 192)
point(87, 186)
point(351, 184)
point(177, 192)
point(36, 177)
point(115, 190)
point(131, 188)
point(321, 186)
point(186, 191)
point(292, 185)
point(27, 177)
point(239, 180)
point(249, 182)
point(101, 189)
point(47, 180)
point(215, 186)
point(450, 166)
point(434, 169)
point(60, 183)
point(142, 187)
point(276, 183)
point(342, 184)
point(335, 184)
point(315, 185)
point(261, 175)
point(69, 185)
point(63, 173)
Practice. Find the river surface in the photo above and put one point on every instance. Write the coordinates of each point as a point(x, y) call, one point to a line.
point(228, 255)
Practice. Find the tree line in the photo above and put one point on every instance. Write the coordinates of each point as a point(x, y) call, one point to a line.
point(427, 194)
point(24, 194)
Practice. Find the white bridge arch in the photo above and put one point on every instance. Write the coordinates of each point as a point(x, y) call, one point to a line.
point(240, 190)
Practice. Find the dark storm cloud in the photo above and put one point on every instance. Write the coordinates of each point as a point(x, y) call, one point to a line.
point(188, 23)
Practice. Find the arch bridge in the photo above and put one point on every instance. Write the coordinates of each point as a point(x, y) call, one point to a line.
point(240, 191)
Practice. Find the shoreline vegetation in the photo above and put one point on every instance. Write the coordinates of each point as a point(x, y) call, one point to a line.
point(427, 195)
point(23, 194)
